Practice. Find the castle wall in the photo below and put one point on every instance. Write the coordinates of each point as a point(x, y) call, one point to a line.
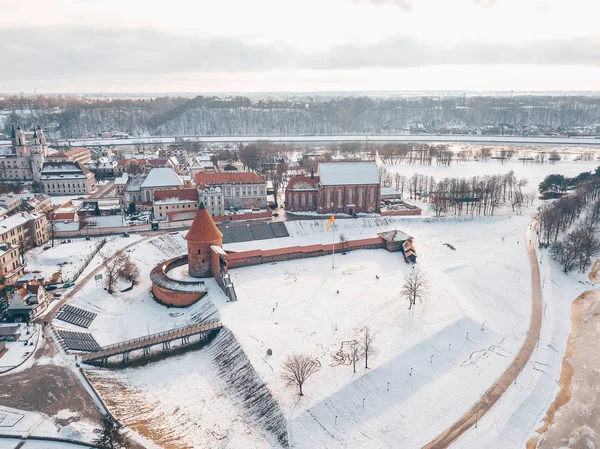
point(257, 257)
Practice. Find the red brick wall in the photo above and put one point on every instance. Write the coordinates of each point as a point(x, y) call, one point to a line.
point(176, 299)
point(349, 195)
point(200, 262)
point(402, 212)
point(257, 257)
point(293, 201)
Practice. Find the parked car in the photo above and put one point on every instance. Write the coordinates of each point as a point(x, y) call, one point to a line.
point(49, 288)
point(57, 295)
point(68, 284)
point(126, 234)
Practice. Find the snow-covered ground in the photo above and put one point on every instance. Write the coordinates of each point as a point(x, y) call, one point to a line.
point(533, 172)
point(520, 412)
point(65, 257)
point(485, 284)
point(473, 322)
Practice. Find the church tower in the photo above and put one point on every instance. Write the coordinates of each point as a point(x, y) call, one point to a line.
point(20, 144)
point(13, 138)
point(38, 152)
point(202, 235)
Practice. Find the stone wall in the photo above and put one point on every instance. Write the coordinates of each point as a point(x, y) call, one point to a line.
point(416, 211)
point(257, 257)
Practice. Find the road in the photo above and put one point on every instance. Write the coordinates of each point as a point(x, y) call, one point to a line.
point(104, 190)
point(487, 140)
point(491, 396)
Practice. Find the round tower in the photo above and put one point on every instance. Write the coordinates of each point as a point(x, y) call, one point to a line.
point(202, 235)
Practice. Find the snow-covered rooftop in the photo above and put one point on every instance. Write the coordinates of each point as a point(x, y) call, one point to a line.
point(348, 173)
point(162, 177)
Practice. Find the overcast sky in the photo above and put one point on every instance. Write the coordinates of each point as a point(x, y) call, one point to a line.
point(307, 45)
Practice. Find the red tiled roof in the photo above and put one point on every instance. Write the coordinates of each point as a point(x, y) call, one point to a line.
point(61, 155)
point(203, 229)
point(182, 194)
point(228, 178)
point(314, 182)
point(157, 162)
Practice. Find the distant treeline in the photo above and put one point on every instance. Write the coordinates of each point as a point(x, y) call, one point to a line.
point(74, 117)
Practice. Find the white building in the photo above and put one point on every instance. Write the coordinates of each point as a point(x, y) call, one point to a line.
point(241, 190)
point(179, 204)
point(213, 199)
point(66, 178)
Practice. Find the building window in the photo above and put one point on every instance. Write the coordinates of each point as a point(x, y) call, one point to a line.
point(310, 200)
point(296, 199)
point(339, 198)
point(372, 194)
point(360, 197)
point(350, 196)
point(328, 198)
point(303, 200)
point(199, 252)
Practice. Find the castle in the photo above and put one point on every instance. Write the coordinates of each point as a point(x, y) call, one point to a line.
point(206, 258)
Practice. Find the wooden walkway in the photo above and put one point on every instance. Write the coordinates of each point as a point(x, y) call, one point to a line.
point(147, 341)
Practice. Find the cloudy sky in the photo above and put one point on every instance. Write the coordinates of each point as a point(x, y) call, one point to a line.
point(308, 45)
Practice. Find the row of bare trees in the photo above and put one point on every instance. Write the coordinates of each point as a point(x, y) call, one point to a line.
point(569, 225)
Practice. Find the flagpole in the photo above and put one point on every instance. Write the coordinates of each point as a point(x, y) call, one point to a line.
point(333, 249)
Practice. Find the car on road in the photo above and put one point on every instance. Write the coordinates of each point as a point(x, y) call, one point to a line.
point(57, 295)
point(126, 234)
point(51, 287)
point(68, 284)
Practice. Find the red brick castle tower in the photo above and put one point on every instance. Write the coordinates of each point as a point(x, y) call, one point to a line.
point(202, 235)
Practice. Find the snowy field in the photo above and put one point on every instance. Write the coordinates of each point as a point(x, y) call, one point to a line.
point(533, 172)
point(473, 322)
point(514, 419)
point(66, 258)
point(485, 284)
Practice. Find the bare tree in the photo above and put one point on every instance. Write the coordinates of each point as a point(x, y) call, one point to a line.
point(415, 287)
point(355, 354)
point(130, 272)
point(297, 368)
point(365, 339)
point(51, 225)
point(114, 267)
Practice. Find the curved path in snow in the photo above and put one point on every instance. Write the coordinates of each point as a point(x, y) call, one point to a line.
point(495, 392)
